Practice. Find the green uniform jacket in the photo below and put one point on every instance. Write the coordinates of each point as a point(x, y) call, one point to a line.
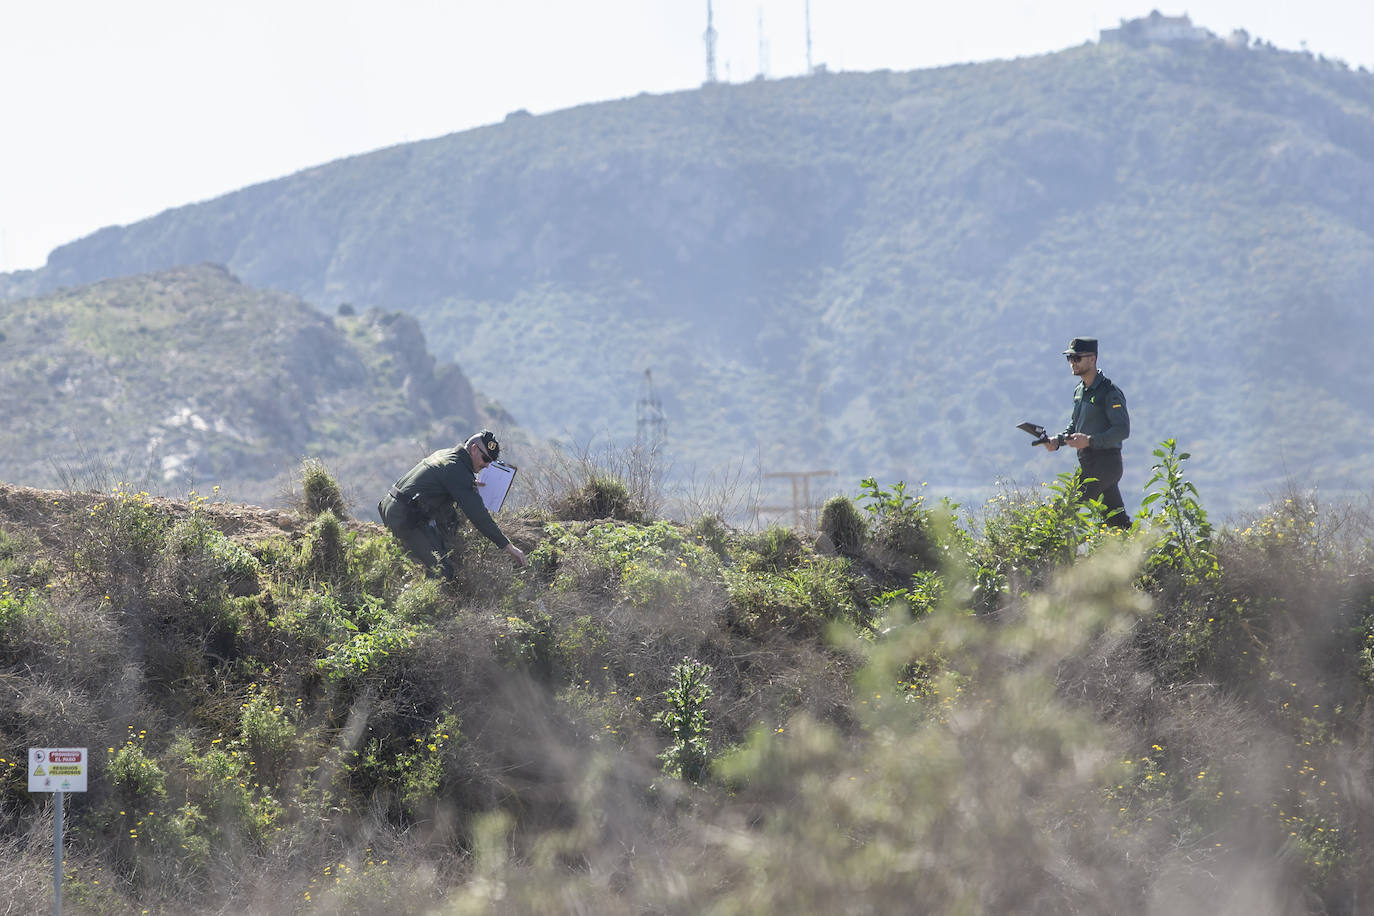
point(446, 477)
point(1100, 411)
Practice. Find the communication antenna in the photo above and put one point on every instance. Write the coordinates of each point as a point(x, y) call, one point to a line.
point(651, 425)
point(710, 38)
point(808, 37)
point(763, 49)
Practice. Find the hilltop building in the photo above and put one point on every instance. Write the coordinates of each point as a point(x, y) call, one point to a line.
point(1156, 28)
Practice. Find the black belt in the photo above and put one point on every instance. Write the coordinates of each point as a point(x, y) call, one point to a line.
point(416, 515)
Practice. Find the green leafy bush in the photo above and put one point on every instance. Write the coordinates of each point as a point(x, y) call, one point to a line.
point(687, 722)
point(1191, 625)
point(267, 731)
point(1365, 641)
point(1025, 538)
point(653, 565)
point(198, 561)
point(901, 530)
point(136, 777)
point(153, 842)
point(801, 600)
point(421, 600)
point(420, 771)
point(1184, 546)
point(371, 633)
point(17, 604)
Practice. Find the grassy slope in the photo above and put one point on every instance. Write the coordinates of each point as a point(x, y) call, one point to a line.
point(286, 718)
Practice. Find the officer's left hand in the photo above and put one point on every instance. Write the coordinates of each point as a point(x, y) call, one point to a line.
point(1079, 440)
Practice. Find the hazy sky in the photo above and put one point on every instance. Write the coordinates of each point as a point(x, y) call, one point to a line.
point(115, 111)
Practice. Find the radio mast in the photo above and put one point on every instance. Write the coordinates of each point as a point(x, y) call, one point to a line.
point(710, 37)
point(651, 425)
point(763, 49)
point(808, 37)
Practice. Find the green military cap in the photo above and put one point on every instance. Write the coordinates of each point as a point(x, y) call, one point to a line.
point(489, 443)
point(1082, 345)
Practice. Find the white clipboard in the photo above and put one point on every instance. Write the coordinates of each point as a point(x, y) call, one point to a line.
point(496, 480)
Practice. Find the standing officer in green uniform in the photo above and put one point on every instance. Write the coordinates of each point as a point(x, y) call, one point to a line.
point(1097, 428)
point(416, 504)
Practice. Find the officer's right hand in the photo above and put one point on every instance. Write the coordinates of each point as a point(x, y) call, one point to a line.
point(517, 554)
point(1051, 445)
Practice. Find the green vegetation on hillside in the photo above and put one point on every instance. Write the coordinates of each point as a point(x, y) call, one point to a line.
point(889, 258)
point(1010, 709)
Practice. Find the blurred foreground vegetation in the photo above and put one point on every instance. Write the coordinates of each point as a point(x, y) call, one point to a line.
point(921, 708)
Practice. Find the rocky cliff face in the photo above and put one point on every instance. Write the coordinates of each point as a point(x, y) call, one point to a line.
point(188, 377)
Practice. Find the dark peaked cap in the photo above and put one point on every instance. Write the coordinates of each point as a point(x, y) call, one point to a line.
point(1082, 345)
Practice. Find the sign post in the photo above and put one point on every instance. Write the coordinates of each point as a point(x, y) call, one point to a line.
point(58, 770)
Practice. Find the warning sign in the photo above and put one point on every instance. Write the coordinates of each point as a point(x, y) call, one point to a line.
point(57, 769)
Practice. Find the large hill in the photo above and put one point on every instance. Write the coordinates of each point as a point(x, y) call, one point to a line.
point(871, 273)
point(188, 378)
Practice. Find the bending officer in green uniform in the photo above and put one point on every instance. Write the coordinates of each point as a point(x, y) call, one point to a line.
point(1097, 428)
point(416, 504)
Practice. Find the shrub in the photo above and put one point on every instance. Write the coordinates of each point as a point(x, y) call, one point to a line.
point(17, 605)
point(654, 565)
point(199, 561)
point(420, 772)
point(422, 600)
point(686, 721)
point(123, 535)
point(926, 590)
point(711, 532)
point(800, 600)
point(267, 731)
point(901, 531)
point(531, 645)
point(229, 803)
point(1026, 537)
point(597, 498)
point(654, 586)
point(151, 842)
point(1190, 626)
point(378, 565)
point(843, 526)
point(21, 560)
point(1184, 546)
point(320, 491)
point(322, 555)
point(136, 777)
point(372, 634)
point(582, 484)
point(775, 548)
